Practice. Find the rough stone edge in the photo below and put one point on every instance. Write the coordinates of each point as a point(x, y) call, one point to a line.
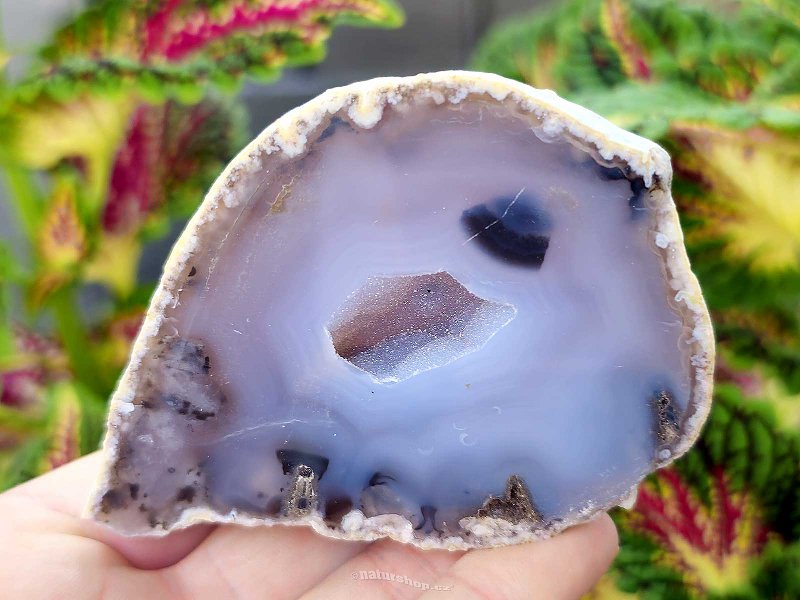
point(364, 102)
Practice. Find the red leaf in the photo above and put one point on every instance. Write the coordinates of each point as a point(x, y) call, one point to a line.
point(709, 544)
point(174, 36)
point(37, 361)
point(168, 149)
point(134, 188)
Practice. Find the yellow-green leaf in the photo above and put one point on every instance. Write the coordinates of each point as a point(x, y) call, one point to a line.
point(115, 262)
point(89, 128)
point(62, 238)
point(754, 178)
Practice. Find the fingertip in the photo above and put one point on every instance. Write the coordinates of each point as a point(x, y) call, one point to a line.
point(606, 536)
point(151, 552)
point(607, 529)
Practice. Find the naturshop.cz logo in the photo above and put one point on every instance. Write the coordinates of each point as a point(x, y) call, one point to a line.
point(404, 579)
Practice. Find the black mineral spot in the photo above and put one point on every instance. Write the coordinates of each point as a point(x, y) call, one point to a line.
point(637, 201)
point(171, 470)
point(185, 494)
point(291, 459)
point(667, 428)
point(183, 355)
point(111, 500)
point(637, 185)
point(302, 503)
point(133, 489)
point(514, 230)
point(188, 387)
point(174, 402)
point(608, 173)
point(514, 506)
point(193, 272)
point(186, 408)
point(202, 415)
point(336, 124)
point(337, 508)
point(379, 478)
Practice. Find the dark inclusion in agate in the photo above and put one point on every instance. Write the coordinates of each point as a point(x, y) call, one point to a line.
point(512, 229)
point(443, 317)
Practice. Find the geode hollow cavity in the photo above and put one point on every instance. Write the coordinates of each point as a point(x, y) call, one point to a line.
point(448, 309)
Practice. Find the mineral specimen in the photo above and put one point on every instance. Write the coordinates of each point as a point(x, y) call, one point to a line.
point(448, 309)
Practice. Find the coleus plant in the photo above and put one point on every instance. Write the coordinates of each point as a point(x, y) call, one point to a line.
point(719, 86)
point(124, 118)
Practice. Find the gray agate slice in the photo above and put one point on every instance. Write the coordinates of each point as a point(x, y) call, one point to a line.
point(449, 309)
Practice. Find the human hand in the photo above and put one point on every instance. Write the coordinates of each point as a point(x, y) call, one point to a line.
point(48, 551)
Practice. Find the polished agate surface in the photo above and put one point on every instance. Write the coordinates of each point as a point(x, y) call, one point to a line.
point(448, 316)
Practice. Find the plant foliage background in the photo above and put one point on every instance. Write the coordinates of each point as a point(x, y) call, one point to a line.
point(120, 125)
point(127, 115)
point(718, 85)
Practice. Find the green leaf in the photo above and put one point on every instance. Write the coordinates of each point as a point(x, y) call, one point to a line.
point(23, 464)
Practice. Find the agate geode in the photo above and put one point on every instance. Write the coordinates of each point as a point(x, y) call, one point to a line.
point(449, 309)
